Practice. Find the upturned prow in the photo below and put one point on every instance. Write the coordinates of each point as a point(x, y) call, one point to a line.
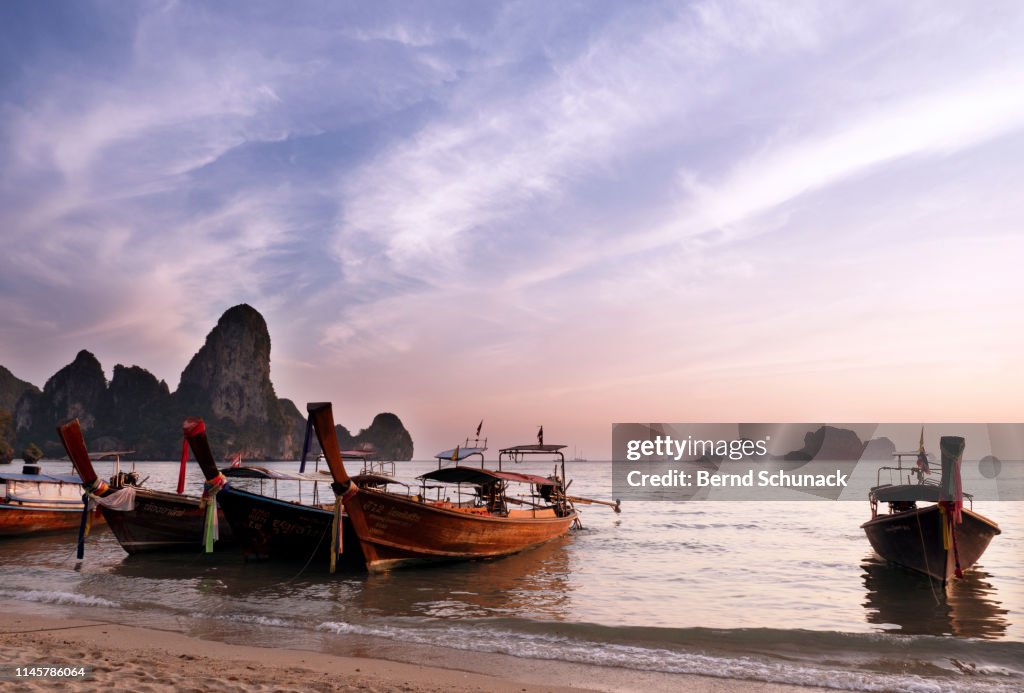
point(327, 436)
point(952, 448)
point(195, 433)
point(70, 433)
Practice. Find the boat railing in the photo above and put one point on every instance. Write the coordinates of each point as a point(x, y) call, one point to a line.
point(268, 483)
point(442, 495)
point(520, 453)
point(492, 499)
point(915, 477)
point(382, 467)
point(912, 472)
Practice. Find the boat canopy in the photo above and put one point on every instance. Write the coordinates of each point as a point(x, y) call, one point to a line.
point(480, 477)
point(46, 478)
point(463, 453)
point(264, 473)
point(358, 454)
point(375, 479)
point(109, 454)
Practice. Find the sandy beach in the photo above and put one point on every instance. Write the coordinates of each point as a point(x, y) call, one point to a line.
point(125, 658)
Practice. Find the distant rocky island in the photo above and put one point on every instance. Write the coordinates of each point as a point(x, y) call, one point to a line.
point(227, 382)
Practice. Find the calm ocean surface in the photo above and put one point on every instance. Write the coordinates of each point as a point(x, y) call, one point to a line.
point(781, 592)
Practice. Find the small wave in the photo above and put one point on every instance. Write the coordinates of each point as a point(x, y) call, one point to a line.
point(561, 648)
point(706, 525)
point(42, 597)
point(252, 619)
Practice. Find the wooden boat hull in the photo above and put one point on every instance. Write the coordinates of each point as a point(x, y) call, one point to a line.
point(913, 539)
point(269, 528)
point(395, 531)
point(19, 520)
point(163, 522)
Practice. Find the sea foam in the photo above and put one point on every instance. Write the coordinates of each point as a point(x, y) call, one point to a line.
point(44, 597)
point(561, 648)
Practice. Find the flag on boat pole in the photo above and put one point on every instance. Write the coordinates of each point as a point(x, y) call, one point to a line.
point(479, 426)
point(540, 436)
point(922, 456)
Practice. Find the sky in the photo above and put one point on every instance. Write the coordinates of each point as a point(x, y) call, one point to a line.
point(568, 214)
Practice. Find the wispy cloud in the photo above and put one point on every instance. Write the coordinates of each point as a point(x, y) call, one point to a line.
point(631, 206)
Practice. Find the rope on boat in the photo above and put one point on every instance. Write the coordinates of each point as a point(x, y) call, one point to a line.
point(341, 491)
point(309, 560)
point(211, 531)
point(924, 552)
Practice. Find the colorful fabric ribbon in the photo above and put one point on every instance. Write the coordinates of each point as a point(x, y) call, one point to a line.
point(211, 532)
point(337, 541)
point(122, 500)
point(949, 514)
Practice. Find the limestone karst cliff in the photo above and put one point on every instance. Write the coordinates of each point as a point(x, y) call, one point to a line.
point(227, 382)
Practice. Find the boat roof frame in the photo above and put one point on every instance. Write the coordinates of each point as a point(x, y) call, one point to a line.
point(517, 453)
point(266, 474)
point(41, 478)
point(464, 453)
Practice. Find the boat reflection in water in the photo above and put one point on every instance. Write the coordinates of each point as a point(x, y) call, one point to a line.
point(533, 585)
point(901, 598)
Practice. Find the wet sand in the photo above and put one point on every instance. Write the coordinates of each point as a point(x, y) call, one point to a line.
point(125, 658)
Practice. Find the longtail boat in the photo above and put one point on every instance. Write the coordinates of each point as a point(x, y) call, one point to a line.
point(397, 529)
point(940, 540)
point(142, 519)
point(32, 502)
point(267, 527)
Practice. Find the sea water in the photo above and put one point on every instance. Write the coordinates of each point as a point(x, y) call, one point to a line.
point(768, 591)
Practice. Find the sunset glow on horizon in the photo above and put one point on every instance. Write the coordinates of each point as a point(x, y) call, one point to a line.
point(527, 213)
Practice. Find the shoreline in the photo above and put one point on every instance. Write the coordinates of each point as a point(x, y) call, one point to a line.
point(129, 658)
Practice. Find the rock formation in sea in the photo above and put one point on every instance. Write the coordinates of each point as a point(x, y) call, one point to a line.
point(6, 437)
point(12, 388)
point(139, 409)
point(227, 383)
point(878, 450)
point(386, 436)
point(828, 443)
point(79, 389)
